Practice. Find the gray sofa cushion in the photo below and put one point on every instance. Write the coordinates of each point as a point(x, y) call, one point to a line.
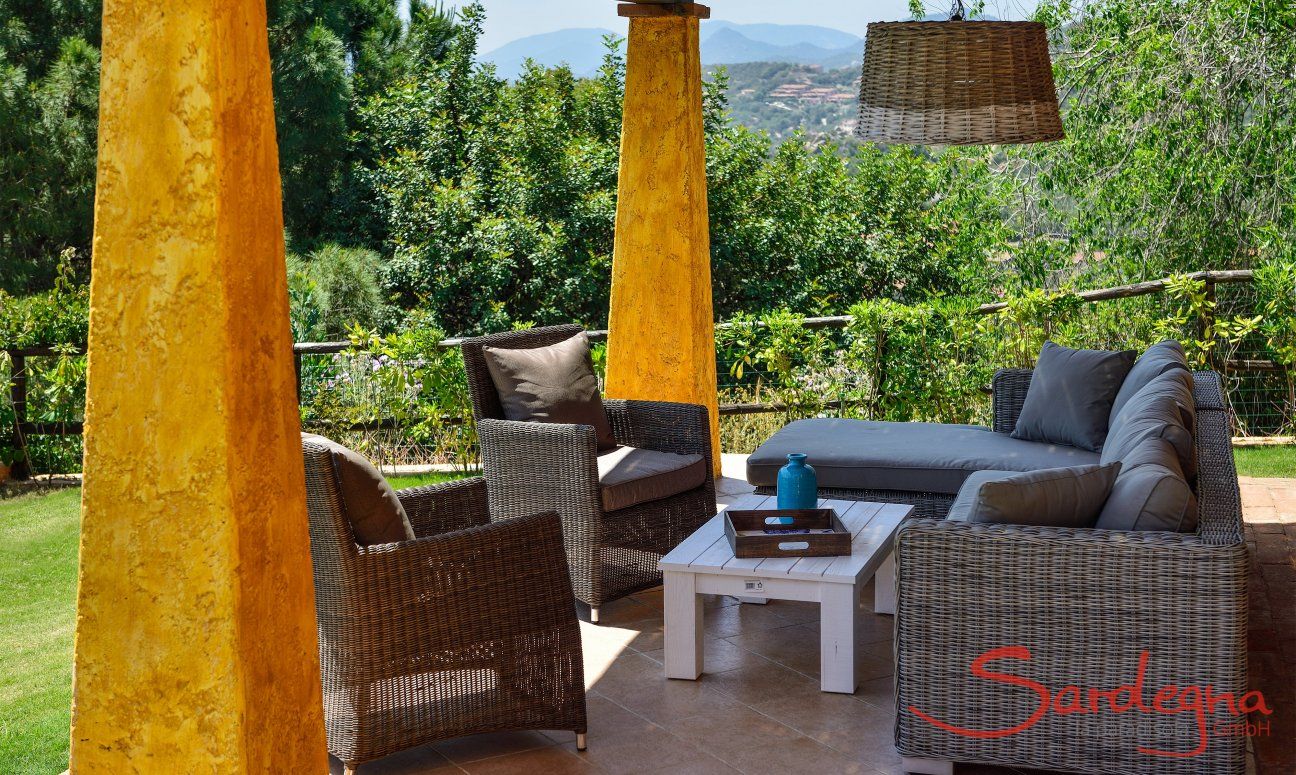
point(374, 512)
point(1052, 497)
point(912, 456)
point(550, 384)
point(1155, 361)
point(1150, 496)
point(1070, 396)
point(630, 476)
point(1156, 411)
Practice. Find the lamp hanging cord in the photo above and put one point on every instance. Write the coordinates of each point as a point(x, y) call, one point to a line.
point(956, 13)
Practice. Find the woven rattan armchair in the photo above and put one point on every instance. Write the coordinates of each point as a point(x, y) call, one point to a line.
point(469, 628)
point(1087, 604)
point(552, 467)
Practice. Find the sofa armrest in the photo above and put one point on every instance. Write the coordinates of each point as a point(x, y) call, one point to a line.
point(1081, 608)
point(660, 425)
point(441, 508)
point(1008, 394)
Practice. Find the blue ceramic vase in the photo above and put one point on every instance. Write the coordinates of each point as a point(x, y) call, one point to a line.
point(797, 486)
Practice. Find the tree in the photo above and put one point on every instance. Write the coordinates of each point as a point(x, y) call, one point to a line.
point(1181, 130)
point(327, 55)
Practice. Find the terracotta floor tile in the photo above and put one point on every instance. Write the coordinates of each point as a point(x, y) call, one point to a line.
point(416, 761)
point(552, 760)
point(638, 684)
point(763, 745)
point(467, 749)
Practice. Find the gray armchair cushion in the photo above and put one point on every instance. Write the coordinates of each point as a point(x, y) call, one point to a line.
point(1156, 360)
point(1157, 411)
point(1070, 396)
point(554, 384)
point(908, 456)
point(1150, 496)
point(629, 476)
point(1053, 497)
point(375, 513)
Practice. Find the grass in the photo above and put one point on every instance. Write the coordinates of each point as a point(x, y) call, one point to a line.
point(1275, 461)
point(38, 564)
point(419, 480)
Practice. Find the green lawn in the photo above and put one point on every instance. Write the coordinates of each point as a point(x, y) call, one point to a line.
point(38, 555)
point(1277, 461)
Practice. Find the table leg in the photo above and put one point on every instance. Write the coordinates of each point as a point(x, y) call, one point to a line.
point(884, 592)
point(683, 625)
point(837, 607)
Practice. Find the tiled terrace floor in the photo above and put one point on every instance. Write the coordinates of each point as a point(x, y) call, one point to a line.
point(758, 708)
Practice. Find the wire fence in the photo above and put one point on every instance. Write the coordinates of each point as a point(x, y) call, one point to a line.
point(46, 404)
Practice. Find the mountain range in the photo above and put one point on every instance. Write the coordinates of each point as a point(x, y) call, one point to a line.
point(722, 43)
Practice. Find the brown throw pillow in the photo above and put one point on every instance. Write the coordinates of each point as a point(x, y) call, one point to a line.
point(550, 384)
point(375, 513)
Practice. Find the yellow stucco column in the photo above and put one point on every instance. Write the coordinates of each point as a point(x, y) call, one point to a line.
point(661, 344)
point(196, 646)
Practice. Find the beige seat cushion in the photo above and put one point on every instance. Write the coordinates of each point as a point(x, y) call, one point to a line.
point(630, 476)
point(372, 508)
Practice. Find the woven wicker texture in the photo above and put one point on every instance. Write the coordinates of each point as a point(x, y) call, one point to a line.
point(1086, 603)
point(958, 83)
point(531, 467)
point(469, 628)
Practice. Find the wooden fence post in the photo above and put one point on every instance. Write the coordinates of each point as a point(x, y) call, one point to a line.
point(21, 469)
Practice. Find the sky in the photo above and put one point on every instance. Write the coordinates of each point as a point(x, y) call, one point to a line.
point(508, 20)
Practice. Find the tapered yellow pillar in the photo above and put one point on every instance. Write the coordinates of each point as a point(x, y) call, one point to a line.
point(661, 344)
point(196, 646)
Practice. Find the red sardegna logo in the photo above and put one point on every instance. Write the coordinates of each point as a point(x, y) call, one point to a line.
point(1169, 700)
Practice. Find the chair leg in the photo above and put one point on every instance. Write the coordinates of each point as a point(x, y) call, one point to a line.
point(593, 615)
point(349, 769)
point(580, 741)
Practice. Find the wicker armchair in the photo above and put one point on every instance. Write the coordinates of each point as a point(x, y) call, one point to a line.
point(552, 467)
point(1087, 604)
point(469, 628)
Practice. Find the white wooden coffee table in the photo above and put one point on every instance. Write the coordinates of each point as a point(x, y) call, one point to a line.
point(705, 565)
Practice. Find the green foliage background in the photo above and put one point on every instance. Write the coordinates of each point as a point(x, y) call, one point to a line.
point(424, 196)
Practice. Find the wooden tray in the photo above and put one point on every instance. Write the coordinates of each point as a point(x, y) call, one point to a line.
point(834, 544)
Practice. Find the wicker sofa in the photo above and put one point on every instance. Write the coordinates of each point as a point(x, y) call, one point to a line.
point(1080, 607)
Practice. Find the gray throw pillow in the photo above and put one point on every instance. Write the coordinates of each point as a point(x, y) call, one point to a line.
point(553, 384)
point(1150, 497)
point(375, 513)
point(1070, 396)
point(1156, 360)
point(1157, 411)
point(1050, 497)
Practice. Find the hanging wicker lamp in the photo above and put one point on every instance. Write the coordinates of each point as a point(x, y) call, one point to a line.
point(958, 82)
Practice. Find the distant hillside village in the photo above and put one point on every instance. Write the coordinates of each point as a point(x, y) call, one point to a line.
point(781, 98)
point(781, 77)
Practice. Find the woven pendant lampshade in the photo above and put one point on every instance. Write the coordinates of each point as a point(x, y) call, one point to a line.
point(958, 83)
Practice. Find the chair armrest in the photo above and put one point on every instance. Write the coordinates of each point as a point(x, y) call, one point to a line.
point(442, 508)
point(1008, 390)
point(482, 583)
point(660, 425)
point(533, 466)
point(1086, 604)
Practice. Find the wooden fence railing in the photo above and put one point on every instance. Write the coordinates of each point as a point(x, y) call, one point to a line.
point(23, 428)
